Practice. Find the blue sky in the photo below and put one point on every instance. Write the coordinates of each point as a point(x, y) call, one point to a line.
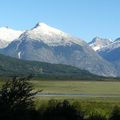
point(82, 18)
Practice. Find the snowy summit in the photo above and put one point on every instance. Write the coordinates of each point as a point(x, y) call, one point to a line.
point(50, 36)
point(44, 28)
point(7, 35)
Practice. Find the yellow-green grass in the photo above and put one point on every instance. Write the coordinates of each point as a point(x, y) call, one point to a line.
point(78, 87)
point(111, 88)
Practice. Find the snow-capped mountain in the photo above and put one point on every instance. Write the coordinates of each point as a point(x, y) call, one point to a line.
point(110, 47)
point(7, 35)
point(50, 36)
point(48, 44)
point(98, 43)
point(112, 53)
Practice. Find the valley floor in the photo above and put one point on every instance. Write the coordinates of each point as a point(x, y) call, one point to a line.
point(78, 87)
point(108, 94)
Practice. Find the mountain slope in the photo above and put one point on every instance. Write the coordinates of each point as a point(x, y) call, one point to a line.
point(111, 53)
point(47, 44)
point(7, 35)
point(11, 66)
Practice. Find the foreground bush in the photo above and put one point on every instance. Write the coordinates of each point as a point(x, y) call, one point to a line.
point(62, 111)
point(96, 116)
point(115, 115)
point(16, 99)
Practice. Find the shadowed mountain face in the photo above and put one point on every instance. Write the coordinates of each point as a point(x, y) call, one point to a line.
point(47, 44)
point(112, 53)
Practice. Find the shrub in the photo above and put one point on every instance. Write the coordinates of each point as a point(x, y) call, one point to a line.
point(115, 115)
point(16, 99)
point(97, 116)
point(62, 111)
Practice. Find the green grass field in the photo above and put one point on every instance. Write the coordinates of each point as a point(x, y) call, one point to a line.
point(77, 87)
point(111, 88)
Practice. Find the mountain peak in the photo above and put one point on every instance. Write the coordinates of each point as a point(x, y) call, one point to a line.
point(39, 24)
point(117, 40)
point(50, 36)
point(44, 29)
point(98, 43)
point(99, 39)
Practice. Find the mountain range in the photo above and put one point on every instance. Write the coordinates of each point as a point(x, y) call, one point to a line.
point(47, 44)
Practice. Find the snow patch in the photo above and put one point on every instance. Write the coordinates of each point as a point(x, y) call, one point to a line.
point(96, 48)
point(17, 47)
point(8, 34)
point(19, 54)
